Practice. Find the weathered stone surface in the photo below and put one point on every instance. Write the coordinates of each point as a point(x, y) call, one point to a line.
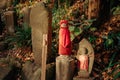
point(79, 78)
point(26, 15)
point(9, 16)
point(33, 72)
point(4, 70)
point(83, 74)
point(4, 4)
point(64, 68)
point(40, 22)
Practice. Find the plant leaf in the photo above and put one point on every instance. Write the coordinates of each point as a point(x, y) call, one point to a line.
point(117, 76)
point(71, 28)
point(77, 31)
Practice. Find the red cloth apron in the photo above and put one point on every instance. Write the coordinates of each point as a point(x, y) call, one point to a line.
point(64, 40)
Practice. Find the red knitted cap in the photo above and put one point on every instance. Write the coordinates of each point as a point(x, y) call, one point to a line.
point(63, 21)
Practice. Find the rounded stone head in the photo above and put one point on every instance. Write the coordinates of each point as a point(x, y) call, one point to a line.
point(82, 51)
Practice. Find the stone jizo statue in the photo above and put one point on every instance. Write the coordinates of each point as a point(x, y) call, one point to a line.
point(85, 56)
point(64, 38)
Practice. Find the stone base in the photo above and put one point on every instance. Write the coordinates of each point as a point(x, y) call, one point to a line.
point(80, 78)
point(64, 68)
point(83, 74)
point(31, 71)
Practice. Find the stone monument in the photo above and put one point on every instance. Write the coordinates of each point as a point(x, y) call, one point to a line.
point(85, 56)
point(40, 22)
point(3, 5)
point(9, 21)
point(64, 62)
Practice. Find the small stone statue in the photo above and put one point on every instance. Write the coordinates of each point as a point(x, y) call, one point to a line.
point(64, 39)
point(85, 56)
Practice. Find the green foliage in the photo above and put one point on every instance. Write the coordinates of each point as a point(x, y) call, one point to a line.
point(118, 38)
point(112, 71)
point(111, 60)
point(58, 14)
point(117, 76)
point(110, 40)
point(64, 11)
point(65, 3)
point(85, 25)
point(75, 31)
point(115, 10)
point(15, 2)
point(109, 43)
point(93, 29)
point(22, 36)
point(60, 11)
point(92, 39)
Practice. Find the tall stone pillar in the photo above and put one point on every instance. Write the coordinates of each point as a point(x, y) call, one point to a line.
point(9, 21)
point(40, 22)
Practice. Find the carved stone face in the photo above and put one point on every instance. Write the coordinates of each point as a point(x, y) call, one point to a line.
point(63, 25)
